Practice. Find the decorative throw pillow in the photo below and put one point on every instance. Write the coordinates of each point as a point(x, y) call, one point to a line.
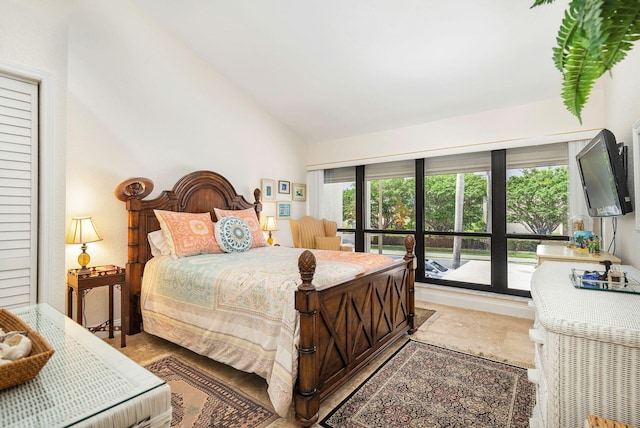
point(249, 216)
point(157, 243)
point(187, 234)
point(233, 235)
point(328, 243)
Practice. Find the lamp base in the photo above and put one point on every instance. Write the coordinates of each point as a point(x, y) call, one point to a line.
point(84, 259)
point(270, 239)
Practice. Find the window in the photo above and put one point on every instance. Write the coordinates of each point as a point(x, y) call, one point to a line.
point(477, 217)
point(390, 206)
point(537, 190)
point(457, 205)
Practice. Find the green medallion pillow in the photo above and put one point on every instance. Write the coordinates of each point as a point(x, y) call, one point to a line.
point(233, 235)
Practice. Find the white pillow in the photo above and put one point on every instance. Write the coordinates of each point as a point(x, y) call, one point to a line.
point(157, 243)
point(233, 235)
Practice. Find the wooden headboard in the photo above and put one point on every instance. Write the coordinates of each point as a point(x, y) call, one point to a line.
point(197, 192)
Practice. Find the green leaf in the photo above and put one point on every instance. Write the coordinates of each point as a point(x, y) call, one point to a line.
point(622, 25)
point(593, 37)
point(570, 31)
point(580, 73)
point(540, 2)
point(592, 25)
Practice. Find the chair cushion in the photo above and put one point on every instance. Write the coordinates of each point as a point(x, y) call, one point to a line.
point(328, 243)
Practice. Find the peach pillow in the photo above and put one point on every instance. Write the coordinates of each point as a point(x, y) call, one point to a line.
point(328, 243)
point(188, 234)
point(249, 216)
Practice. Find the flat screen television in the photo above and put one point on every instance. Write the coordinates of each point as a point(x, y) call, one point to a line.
point(603, 176)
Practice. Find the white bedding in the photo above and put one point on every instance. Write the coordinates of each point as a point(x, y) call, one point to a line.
point(238, 308)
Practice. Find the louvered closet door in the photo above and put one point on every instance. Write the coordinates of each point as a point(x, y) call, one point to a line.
point(18, 192)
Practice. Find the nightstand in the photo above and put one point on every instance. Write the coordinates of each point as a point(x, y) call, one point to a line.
point(98, 276)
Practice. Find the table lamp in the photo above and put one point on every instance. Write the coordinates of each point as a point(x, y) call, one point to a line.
point(270, 225)
point(81, 231)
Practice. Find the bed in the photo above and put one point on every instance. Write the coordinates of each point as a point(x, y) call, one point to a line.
point(338, 323)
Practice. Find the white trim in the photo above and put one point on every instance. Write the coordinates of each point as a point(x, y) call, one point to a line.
point(46, 162)
point(513, 306)
point(454, 150)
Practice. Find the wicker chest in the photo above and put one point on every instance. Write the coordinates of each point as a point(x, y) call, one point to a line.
point(587, 343)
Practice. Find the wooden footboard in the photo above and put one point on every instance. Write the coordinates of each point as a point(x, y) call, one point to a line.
point(344, 326)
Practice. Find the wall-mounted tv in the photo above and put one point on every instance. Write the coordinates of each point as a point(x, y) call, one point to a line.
point(603, 175)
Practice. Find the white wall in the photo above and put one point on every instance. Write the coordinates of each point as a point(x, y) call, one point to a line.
point(623, 110)
point(535, 123)
point(33, 43)
point(142, 105)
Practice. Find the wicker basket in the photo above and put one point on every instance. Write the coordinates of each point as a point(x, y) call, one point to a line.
point(24, 369)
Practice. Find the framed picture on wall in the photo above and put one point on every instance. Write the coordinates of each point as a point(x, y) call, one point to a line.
point(268, 188)
point(299, 192)
point(283, 210)
point(284, 187)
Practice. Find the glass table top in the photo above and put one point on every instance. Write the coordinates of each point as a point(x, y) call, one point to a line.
point(84, 377)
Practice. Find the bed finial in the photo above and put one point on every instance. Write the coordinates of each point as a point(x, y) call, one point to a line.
point(307, 268)
point(257, 195)
point(409, 245)
point(133, 188)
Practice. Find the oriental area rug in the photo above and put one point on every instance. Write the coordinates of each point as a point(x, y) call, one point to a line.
point(200, 400)
point(423, 385)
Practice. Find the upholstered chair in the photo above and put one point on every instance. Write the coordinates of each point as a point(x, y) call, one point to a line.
point(314, 233)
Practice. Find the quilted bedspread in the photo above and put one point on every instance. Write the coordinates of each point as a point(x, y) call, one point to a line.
point(238, 308)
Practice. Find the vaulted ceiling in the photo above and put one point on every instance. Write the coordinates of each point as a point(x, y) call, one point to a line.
point(336, 68)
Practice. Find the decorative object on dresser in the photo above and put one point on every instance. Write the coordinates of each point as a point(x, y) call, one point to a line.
point(587, 350)
point(270, 225)
point(82, 231)
point(82, 281)
point(378, 302)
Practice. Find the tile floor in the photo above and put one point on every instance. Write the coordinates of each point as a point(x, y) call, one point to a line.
point(497, 337)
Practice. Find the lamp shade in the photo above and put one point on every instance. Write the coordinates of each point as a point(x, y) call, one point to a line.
point(270, 224)
point(81, 231)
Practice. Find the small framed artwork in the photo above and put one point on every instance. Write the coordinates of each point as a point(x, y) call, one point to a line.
point(284, 210)
point(268, 188)
point(299, 192)
point(284, 187)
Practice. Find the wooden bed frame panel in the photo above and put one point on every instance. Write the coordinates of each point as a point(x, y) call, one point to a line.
point(342, 327)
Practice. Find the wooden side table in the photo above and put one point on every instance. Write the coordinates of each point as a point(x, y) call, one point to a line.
point(99, 276)
point(563, 254)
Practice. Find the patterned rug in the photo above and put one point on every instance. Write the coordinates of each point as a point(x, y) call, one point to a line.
point(200, 400)
point(423, 385)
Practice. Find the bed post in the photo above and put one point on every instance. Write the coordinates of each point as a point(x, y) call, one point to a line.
point(257, 205)
point(307, 400)
point(131, 192)
point(409, 245)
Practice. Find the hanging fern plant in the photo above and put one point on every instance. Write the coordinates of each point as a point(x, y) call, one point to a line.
point(594, 36)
